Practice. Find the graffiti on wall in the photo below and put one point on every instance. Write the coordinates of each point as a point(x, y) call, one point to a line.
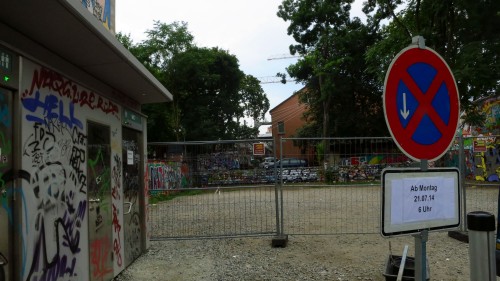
point(131, 191)
point(167, 175)
point(102, 10)
point(98, 257)
point(145, 181)
point(53, 148)
point(482, 161)
point(115, 194)
point(491, 109)
point(5, 153)
point(5, 114)
point(64, 96)
point(6, 190)
point(57, 187)
point(219, 161)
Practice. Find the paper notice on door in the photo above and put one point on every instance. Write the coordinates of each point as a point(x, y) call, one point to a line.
point(130, 157)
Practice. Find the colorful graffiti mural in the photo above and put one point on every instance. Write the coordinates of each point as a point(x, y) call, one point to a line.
point(6, 177)
point(62, 94)
point(491, 110)
point(485, 164)
point(102, 10)
point(54, 147)
point(220, 161)
point(491, 107)
point(167, 175)
point(60, 207)
point(116, 192)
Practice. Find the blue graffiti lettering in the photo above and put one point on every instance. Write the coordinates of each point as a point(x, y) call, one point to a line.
point(49, 105)
point(70, 223)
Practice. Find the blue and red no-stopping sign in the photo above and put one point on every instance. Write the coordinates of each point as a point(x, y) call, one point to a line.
point(421, 103)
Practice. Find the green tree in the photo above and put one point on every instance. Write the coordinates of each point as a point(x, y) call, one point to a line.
point(313, 25)
point(463, 32)
point(342, 98)
point(253, 99)
point(163, 42)
point(211, 94)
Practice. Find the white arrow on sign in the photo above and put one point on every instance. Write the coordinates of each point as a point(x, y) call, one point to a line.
point(404, 112)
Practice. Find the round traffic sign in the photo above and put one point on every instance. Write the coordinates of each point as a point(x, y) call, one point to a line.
point(421, 103)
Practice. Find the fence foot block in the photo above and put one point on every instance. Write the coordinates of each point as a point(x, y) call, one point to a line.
point(280, 241)
point(459, 235)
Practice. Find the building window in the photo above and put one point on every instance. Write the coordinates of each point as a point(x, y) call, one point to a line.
point(281, 127)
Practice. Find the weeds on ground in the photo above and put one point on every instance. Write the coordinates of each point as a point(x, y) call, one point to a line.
point(171, 194)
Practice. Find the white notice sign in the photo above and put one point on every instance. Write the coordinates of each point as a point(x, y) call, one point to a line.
point(415, 200)
point(422, 199)
point(130, 157)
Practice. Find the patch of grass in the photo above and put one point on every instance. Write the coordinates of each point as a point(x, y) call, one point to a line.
point(171, 194)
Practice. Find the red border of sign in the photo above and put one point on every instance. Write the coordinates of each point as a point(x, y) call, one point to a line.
point(397, 69)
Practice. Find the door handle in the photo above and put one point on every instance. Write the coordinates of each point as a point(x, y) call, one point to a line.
point(129, 207)
point(3, 260)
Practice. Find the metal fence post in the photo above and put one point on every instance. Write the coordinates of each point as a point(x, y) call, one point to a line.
point(276, 192)
point(482, 246)
point(461, 164)
point(281, 185)
point(281, 239)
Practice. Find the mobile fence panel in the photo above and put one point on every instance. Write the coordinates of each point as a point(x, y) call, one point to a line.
point(215, 212)
point(331, 209)
point(296, 187)
point(481, 171)
point(345, 196)
point(211, 189)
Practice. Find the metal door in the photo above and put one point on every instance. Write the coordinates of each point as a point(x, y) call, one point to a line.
point(132, 185)
point(99, 201)
point(6, 188)
point(6, 194)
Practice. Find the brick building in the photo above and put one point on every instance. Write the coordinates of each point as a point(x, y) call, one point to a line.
point(286, 119)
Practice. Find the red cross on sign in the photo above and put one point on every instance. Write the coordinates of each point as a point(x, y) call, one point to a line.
point(421, 103)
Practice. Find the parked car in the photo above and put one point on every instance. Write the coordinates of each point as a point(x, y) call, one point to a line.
point(291, 163)
point(267, 163)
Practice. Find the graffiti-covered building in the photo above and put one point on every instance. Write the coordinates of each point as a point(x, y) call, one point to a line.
point(73, 176)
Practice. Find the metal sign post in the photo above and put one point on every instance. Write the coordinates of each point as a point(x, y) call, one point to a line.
point(421, 243)
point(416, 201)
point(421, 109)
point(421, 255)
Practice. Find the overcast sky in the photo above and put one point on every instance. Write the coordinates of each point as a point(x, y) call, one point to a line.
point(248, 29)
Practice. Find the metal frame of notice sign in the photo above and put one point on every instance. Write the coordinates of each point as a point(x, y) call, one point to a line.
point(414, 200)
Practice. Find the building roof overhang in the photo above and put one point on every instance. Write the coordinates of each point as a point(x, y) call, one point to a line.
point(65, 28)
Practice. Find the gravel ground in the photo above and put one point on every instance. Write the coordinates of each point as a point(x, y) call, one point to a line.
point(338, 257)
point(306, 257)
